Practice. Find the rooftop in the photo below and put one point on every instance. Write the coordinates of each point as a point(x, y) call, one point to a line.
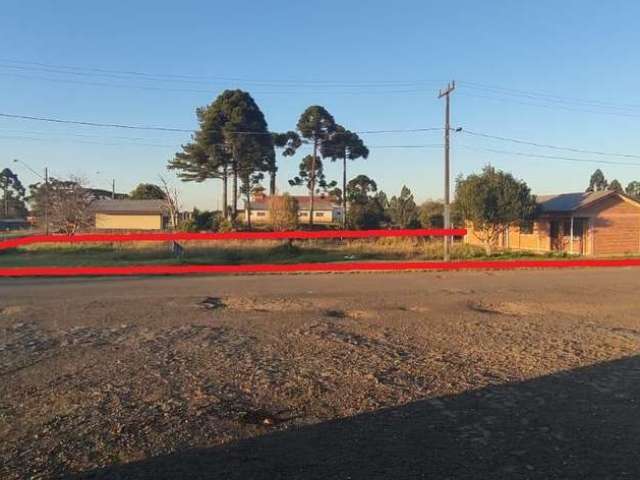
point(130, 206)
point(570, 202)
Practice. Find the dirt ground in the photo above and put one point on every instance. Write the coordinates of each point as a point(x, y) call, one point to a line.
point(524, 374)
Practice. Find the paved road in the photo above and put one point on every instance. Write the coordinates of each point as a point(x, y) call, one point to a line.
point(472, 375)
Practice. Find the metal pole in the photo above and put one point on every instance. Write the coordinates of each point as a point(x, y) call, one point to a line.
point(46, 201)
point(447, 127)
point(113, 189)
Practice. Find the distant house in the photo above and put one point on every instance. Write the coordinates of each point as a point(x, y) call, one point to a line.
point(583, 223)
point(130, 214)
point(326, 210)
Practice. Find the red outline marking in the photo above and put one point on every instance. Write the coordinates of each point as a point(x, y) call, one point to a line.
point(308, 267)
point(185, 236)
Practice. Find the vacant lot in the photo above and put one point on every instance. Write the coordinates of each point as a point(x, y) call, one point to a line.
point(238, 252)
point(529, 374)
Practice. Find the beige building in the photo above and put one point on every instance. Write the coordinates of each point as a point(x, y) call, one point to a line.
point(130, 214)
point(325, 210)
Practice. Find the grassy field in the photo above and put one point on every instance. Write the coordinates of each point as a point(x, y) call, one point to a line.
point(240, 252)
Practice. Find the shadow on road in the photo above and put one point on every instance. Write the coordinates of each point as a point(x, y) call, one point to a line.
point(578, 424)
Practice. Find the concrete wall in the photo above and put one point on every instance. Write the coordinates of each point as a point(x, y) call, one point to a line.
point(110, 221)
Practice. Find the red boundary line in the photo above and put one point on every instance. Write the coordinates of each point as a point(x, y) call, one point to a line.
point(185, 236)
point(307, 267)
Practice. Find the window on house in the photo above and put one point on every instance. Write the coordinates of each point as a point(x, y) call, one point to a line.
point(304, 214)
point(261, 214)
point(319, 214)
point(578, 227)
point(566, 227)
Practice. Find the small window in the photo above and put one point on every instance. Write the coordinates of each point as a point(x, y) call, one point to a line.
point(304, 214)
point(261, 214)
point(566, 227)
point(319, 214)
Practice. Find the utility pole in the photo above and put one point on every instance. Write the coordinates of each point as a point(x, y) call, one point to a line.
point(46, 201)
point(447, 127)
point(113, 189)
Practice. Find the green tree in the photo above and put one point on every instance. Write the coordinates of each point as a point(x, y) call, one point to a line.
point(615, 186)
point(13, 195)
point(288, 142)
point(311, 175)
point(147, 191)
point(633, 189)
point(232, 140)
point(597, 182)
point(359, 189)
point(493, 200)
point(344, 145)
point(432, 214)
point(316, 125)
point(403, 210)
point(366, 205)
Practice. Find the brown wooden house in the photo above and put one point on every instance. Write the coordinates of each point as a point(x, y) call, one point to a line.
point(584, 223)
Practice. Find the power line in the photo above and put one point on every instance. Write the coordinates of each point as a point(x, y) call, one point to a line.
point(547, 96)
point(546, 145)
point(89, 71)
point(552, 106)
point(549, 157)
point(181, 130)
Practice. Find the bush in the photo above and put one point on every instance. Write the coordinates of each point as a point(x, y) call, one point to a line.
point(283, 213)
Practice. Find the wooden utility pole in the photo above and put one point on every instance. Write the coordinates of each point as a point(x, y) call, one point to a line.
point(46, 201)
point(113, 189)
point(447, 127)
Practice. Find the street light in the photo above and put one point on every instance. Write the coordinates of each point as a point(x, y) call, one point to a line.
point(46, 190)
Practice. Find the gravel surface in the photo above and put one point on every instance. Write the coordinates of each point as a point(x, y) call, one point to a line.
point(530, 374)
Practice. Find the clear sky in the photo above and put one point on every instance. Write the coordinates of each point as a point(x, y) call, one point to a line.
point(564, 73)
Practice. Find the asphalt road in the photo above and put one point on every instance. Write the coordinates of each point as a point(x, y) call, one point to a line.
point(495, 375)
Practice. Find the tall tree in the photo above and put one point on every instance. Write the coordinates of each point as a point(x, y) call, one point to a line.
point(359, 189)
point(615, 186)
point(597, 182)
point(233, 139)
point(491, 201)
point(311, 175)
point(13, 194)
point(316, 125)
point(344, 145)
point(289, 142)
point(633, 189)
point(403, 209)
point(148, 191)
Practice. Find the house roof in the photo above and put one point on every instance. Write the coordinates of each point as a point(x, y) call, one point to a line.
point(130, 206)
point(570, 202)
point(304, 203)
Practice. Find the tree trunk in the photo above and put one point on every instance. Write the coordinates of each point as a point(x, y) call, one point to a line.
point(313, 180)
point(225, 200)
point(234, 200)
point(272, 184)
point(344, 191)
point(248, 210)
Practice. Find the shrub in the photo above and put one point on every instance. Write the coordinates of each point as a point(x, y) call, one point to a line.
point(283, 213)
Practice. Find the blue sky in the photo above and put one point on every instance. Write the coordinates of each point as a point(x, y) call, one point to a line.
point(560, 73)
